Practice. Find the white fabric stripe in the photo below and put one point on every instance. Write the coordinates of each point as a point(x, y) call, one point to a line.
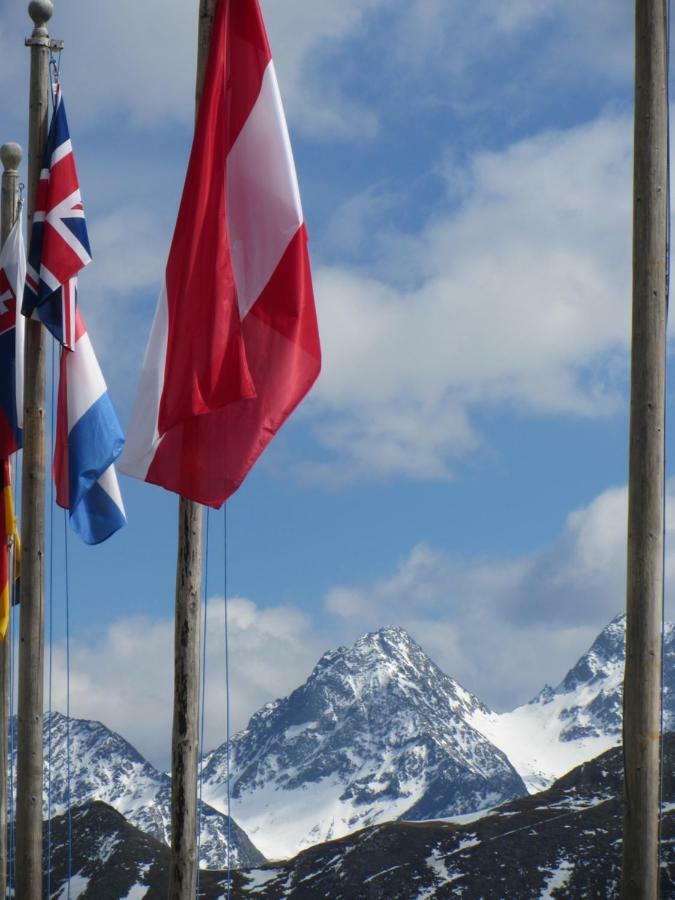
point(65, 148)
point(264, 210)
point(85, 380)
point(142, 434)
point(50, 280)
point(110, 485)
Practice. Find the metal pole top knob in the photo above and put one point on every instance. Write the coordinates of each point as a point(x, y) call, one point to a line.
point(11, 155)
point(40, 11)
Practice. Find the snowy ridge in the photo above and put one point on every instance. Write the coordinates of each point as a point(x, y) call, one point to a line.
point(581, 718)
point(106, 767)
point(377, 732)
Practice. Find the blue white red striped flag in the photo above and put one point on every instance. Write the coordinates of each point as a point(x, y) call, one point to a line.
point(12, 277)
point(88, 441)
point(59, 244)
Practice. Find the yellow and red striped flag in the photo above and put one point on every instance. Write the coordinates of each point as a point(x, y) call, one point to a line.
point(10, 546)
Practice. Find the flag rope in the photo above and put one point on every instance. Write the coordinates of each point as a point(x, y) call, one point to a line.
point(51, 642)
point(68, 733)
point(12, 637)
point(665, 415)
point(227, 713)
point(11, 839)
point(202, 703)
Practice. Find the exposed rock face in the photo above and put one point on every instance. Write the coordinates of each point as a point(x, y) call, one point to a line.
point(376, 732)
point(105, 767)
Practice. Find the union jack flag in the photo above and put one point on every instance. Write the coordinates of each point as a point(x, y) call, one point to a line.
point(59, 244)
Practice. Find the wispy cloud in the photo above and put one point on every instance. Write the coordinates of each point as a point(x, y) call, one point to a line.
point(125, 677)
point(519, 298)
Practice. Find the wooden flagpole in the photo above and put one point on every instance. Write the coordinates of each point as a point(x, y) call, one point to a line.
point(646, 504)
point(31, 635)
point(185, 732)
point(10, 155)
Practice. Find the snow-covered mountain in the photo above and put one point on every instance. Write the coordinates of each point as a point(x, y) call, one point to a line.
point(377, 732)
point(564, 726)
point(106, 767)
point(562, 843)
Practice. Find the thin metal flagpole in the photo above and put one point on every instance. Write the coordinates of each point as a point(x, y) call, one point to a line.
point(646, 491)
point(10, 155)
point(185, 731)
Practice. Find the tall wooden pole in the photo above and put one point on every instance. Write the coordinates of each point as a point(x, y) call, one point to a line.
point(185, 735)
point(31, 635)
point(10, 156)
point(644, 620)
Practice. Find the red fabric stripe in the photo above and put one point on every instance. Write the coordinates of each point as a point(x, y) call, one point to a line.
point(207, 457)
point(206, 365)
point(290, 310)
point(79, 325)
point(60, 466)
point(247, 56)
point(62, 180)
point(7, 437)
point(42, 196)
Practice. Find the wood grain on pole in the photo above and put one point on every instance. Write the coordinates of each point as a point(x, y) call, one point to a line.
point(31, 635)
point(644, 620)
point(10, 156)
point(185, 734)
point(187, 642)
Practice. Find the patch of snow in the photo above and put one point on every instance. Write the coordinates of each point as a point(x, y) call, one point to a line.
point(557, 879)
point(78, 885)
point(530, 736)
point(258, 878)
point(137, 892)
point(436, 863)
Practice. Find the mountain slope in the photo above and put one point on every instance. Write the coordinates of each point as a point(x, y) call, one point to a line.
point(111, 859)
point(562, 727)
point(562, 843)
point(106, 767)
point(376, 732)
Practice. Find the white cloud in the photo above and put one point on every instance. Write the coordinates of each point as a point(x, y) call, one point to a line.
point(506, 627)
point(517, 296)
point(125, 677)
point(138, 60)
point(502, 627)
point(549, 36)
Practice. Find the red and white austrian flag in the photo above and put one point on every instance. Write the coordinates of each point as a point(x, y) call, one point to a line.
point(234, 345)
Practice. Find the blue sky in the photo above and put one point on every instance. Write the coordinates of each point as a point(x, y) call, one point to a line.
point(460, 467)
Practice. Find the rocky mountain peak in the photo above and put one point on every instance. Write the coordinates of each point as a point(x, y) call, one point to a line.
point(377, 729)
point(605, 656)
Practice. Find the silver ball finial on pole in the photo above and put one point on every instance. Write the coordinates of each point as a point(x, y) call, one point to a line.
point(11, 156)
point(40, 11)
